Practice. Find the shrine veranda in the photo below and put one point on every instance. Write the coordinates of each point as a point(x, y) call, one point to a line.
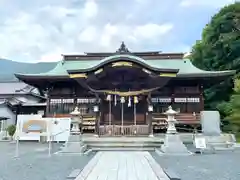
point(125, 93)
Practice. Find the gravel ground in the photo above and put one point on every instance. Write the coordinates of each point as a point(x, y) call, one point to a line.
point(219, 166)
point(34, 164)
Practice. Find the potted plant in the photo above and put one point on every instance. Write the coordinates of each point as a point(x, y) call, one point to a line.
point(11, 130)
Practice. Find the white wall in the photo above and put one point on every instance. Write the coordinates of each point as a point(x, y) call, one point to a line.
point(5, 111)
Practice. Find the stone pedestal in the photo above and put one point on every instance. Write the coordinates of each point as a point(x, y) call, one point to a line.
point(173, 145)
point(74, 145)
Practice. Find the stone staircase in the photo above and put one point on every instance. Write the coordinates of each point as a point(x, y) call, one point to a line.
point(123, 144)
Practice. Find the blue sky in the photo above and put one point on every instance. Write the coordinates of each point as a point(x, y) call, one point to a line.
point(42, 30)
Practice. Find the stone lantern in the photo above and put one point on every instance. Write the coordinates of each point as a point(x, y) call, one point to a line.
point(75, 144)
point(170, 113)
point(173, 143)
point(76, 121)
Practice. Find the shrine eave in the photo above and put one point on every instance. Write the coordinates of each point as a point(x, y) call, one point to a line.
point(182, 68)
point(204, 74)
point(207, 74)
point(40, 77)
point(40, 81)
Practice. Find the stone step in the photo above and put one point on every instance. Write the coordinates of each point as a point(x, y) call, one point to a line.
point(123, 145)
point(220, 146)
point(123, 149)
point(123, 141)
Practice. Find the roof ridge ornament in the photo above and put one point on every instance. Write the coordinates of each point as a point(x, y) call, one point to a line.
point(122, 49)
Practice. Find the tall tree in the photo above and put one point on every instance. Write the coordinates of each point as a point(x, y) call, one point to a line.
point(234, 107)
point(219, 49)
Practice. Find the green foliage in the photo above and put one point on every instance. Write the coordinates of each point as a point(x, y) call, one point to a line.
point(224, 108)
point(219, 50)
point(238, 138)
point(233, 114)
point(11, 130)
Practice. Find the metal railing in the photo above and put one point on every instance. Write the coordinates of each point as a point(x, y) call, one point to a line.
point(52, 136)
point(51, 139)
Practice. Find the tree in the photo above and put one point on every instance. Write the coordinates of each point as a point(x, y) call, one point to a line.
point(234, 108)
point(219, 50)
point(11, 130)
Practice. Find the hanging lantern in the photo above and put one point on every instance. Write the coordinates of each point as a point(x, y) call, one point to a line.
point(150, 108)
point(108, 97)
point(129, 101)
point(135, 99)
point(122, 100)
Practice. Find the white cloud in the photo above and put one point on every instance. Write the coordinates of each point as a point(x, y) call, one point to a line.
point(43, 33)
point(114, 34)
point(57, 11)
point(107, 34)
point(90, 9)
point(150, 31)
point(52, 56)
point(31, 40)
point(208, 3)
point(88, 35)
point(28, 36)
point(21, 35)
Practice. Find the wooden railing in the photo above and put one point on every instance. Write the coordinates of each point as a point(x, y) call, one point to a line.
point(117, 130)
point(182, 118)
point(59, 115)
point(188, 118)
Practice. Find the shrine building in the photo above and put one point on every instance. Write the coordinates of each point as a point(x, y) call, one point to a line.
point(125, 92)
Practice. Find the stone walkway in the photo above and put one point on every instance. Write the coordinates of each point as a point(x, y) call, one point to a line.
point(122, 166)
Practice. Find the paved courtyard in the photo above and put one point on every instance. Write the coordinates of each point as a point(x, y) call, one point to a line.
point(34, 163)
point(219, 166)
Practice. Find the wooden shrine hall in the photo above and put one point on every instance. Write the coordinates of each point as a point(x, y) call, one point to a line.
point(124, 92)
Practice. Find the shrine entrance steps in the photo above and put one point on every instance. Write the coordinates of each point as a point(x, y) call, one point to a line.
point(124, 130)
point(123, 143)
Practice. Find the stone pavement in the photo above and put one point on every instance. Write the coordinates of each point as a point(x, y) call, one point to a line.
point(120, 165)
point(34, 163)
point(219, 166)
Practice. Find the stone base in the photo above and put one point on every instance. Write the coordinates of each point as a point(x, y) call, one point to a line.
point(173, 145)
point(151, 135)
point(74, 145)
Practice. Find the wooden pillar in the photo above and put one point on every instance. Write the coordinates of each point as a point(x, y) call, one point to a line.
point(97, 123)
point(98, 115)
point(201, 98)
point(47, 113)
point(172, 96)
point(149, 115)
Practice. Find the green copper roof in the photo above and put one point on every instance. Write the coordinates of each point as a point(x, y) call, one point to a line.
point(185, 66)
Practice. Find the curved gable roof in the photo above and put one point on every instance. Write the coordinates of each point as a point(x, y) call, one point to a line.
point(90, 66)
